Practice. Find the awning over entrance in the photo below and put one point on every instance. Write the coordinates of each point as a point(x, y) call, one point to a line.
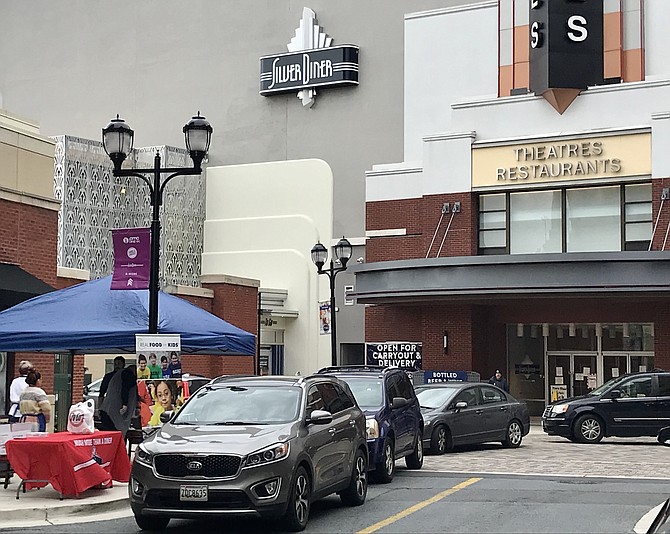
point(483, 278)
point(17, 285)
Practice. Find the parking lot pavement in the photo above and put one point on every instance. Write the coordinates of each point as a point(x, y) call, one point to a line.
point(541, 454)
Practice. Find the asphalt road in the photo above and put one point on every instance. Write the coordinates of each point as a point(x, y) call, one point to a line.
point(443, 502)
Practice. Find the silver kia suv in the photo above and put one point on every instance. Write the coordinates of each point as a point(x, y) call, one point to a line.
point(260, 446)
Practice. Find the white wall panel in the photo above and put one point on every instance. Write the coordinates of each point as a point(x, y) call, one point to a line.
point(450, 56)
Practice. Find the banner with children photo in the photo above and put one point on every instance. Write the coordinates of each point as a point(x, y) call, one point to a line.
point(159, 372)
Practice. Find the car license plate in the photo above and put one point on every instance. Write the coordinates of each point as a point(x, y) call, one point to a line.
point(192, 493)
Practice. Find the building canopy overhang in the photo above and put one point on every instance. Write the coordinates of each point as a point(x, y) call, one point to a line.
point(481, 279)
point(17, 285)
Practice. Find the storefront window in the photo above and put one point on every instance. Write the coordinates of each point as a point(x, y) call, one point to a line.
point(493, 224)
point(593, 219)
point(572, 337)
point(535, 222)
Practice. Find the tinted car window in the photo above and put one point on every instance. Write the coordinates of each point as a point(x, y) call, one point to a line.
point(491, 395)
point(636, 387)
point(405, 386)
point(236, 404)
point(664, 385)
point(331, 398)
point(314, 400)
point(368, 391)
point(468, 395)
point(345, 399)
point(392, 388)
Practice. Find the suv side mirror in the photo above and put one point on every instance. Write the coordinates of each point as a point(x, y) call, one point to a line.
point(615, 394)
point(320, 417)
point(664, 436)
point(399, 402)
point(85, 390)
point(166, 416)
point(460, 405)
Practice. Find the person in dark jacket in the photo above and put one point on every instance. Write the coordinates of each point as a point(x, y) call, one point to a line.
point(118, 397)
point(499, 380)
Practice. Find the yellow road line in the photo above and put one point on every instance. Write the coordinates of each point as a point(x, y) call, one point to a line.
point(417, 507)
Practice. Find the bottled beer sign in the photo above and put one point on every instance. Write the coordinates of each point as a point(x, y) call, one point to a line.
point(566, 48)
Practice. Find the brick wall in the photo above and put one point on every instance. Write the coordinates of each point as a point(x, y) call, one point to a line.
point(28, 238)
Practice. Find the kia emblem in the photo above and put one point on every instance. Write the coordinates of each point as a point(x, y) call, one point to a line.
point(194, 466)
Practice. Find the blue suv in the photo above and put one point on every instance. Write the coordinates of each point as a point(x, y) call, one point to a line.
point(393, 416)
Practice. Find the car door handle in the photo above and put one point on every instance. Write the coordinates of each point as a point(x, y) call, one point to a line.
point(332, 430)
point(503, 408)
point(479, 412)
point(352, 422)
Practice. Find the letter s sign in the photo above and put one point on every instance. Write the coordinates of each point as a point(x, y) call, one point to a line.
point(577, 23)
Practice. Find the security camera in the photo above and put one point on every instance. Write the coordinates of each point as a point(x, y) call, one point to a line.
point(360, 260)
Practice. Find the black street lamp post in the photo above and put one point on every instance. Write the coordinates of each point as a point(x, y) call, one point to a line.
point(319, 256)
point(117, 139)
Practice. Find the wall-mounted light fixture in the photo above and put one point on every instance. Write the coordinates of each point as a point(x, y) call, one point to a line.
point(445, 340)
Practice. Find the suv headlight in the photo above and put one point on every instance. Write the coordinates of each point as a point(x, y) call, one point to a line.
point(371, 428)
point(560, 408)
point(143, 456)
point(273, 453)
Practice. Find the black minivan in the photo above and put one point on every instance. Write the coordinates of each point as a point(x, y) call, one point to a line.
point(636, 404)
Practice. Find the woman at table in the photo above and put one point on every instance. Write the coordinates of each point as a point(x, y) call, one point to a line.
point(166, 396)
point(34, 403)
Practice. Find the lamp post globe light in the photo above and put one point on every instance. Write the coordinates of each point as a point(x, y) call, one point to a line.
point(342, 253)
point(117, 140)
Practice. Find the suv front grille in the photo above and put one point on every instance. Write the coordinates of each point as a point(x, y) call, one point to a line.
point(218, 499)
point(213, 466)
point(547, 412)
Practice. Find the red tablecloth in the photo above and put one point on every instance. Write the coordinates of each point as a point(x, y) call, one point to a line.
point(72, 463)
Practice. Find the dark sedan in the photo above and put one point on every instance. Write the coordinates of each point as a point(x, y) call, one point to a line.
point(463, 413)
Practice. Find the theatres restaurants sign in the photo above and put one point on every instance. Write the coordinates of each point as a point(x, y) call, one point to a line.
point(310, 63)
point(562, 160)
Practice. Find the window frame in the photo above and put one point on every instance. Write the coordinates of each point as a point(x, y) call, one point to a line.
point(625, 244)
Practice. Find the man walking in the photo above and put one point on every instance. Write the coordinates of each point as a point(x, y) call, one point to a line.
point(118, 397)
point(498, 380)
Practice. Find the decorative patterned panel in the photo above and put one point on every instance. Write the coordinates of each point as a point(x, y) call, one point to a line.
point(93, 202)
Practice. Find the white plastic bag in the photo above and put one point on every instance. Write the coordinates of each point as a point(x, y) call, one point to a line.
point(80, 418)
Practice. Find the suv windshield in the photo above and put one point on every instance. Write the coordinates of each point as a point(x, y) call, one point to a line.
point(369, 391)
point(607, 385)
point(241, 404)
point(434, 397)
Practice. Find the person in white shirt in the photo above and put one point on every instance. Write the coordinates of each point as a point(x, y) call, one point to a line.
point(15, 390)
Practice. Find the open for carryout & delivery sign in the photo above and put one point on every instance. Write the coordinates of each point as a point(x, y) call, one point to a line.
point(403, 354)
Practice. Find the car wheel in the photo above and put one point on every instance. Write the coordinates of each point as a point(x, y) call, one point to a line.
point(588, 429)
point(415, 460)
point(385, 470)
point(514, 435)
point(152, 523)
point(355, 494)
point(297, 513)
point(438, 440)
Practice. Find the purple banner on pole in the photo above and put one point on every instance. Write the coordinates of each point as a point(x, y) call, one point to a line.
point(132, 258)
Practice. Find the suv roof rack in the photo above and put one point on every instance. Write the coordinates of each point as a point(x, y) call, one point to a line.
point(337, 368)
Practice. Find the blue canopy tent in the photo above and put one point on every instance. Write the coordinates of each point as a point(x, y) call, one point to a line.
point(91, 318)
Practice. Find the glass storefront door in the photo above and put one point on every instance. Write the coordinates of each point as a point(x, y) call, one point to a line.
point(584, 372)
point(614, 365)
point(571, 375)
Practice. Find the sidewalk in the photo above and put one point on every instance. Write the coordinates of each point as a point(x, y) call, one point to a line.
point(41, 507)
